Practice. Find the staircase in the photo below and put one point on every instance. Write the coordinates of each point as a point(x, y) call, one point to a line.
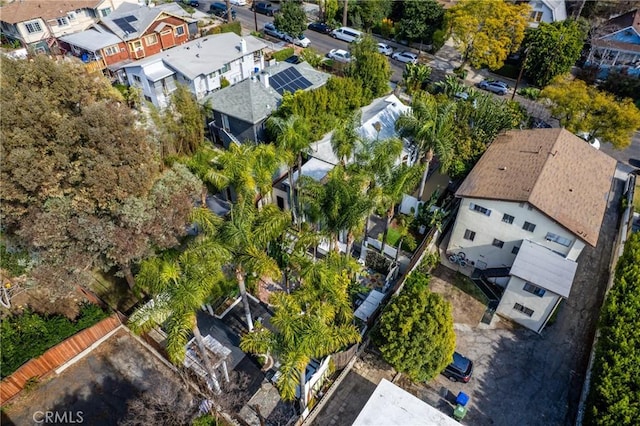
point(492, 291)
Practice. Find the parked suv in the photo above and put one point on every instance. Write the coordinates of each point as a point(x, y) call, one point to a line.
point(460, 369)
point(497, 87)
point(220, 10)
point(265, 9)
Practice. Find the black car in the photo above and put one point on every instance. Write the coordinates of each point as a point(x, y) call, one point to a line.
point(460, 369)
point(193, 3)
point(320, 27)
point(220, 10)
point(265, 9)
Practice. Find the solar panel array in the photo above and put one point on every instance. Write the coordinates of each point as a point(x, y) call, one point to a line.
point(289, 80)
point(124, 24)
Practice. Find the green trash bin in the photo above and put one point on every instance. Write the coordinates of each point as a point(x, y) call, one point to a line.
point(459, 412)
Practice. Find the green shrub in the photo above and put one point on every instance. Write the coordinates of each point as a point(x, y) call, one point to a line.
point(231, 27)
point(205, 420)
point(377, 262)
point(312, 57)
point(614, 388)
point(224, 82)
point(14, 262)
point(283, 54)
point(529, 93)
point(28, 335)
point(509, 71)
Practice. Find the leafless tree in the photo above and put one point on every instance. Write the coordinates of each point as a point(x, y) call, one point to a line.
point(165, 404)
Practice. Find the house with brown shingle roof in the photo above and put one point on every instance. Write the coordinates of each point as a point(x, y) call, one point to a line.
point(36, 24)
point(618, 46)
point(543, 188)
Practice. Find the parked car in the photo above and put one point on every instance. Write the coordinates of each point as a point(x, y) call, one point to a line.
point(301, 40)
point(406, 57)
point(320, 27)
point(220, 9)
point(270, 29)
point(385, 49)
point(498, 87)
point(460, 369)
point(265, 9)
point(192, 3)
point(339, 55)
point(238, 2)
point(346, 34)
point(594, 142)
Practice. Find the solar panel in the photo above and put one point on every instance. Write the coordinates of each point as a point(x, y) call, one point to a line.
point(124, 25)
point(130, 18)
point(289, 80)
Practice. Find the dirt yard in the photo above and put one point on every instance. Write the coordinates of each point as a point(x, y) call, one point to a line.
point(466, 309)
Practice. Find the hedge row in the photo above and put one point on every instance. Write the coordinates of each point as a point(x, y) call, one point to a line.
point(29, 334)
point(614, 397)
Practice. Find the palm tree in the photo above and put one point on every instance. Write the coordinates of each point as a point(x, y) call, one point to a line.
point(181, 284)
point(415, 76)
point(247, 234)
point(292, 137)
point(401, 179)
point(345, 139)
point(403, 226)
point(314, 321)
point(432, 127)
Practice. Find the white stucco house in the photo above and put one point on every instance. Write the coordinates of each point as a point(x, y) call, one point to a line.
point(535, 196)
point(547, 11)
point(201, 65)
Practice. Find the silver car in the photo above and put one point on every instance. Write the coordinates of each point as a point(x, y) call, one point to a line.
point(271, 30)
point(339, 55)
point(385, 49)
point(405, 57)
point(498, 87)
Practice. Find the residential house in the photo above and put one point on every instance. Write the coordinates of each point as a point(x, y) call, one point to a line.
point(618, 46)
point(547, 11)
point(36, 24)
point(240, 111)
point(543, 189)
point(147, 30)
point(96, 47)
point(202, 65)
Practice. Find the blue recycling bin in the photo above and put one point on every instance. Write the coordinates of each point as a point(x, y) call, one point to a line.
point(462, 399)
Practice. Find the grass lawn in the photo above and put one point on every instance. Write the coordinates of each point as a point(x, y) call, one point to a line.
point(636, 198)
point(465, 284)
point(392, 237)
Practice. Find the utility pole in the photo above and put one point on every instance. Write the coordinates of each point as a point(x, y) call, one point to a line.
point(255, 15)
point(524, 64)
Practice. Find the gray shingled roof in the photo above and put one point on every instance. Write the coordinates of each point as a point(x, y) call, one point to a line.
point(553, 170)
point(203, 55)
point(144, 16)
point(251, 101)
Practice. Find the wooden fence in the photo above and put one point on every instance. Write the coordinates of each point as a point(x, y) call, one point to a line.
point(55, 357)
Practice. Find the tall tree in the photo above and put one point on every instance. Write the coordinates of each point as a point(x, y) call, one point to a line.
point(345, 139)
point(552, 49)
point(370, 67)
point(486, 31)
point(367, 14)
point(247, 234)
point(431, 125)
point(292, 137)
point(416, 331)
point(315, 321)
point(420, 19)
point(81, 185)
point(583, 108)
point(415, 77)
point(180, 284)
point(291, 19)
point(402, 178)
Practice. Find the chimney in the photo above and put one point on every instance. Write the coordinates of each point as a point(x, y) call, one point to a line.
point(265, 79)
point(243, 46)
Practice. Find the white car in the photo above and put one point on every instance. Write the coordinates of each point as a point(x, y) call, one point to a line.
point(301, 40)
point(238, 2)
point(406, 57)
point(339, 55)
point(595, 142)
point(385, 49)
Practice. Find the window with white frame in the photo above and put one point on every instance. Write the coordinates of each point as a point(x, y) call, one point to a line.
point(479, 209)
point(558, 239)
point(535, 16)
point(521, 308)
point(179, 30)
point(497, 243)
point(534, 289)
point(529, 227)
point(111, 50)
point(33, 27)
point(151, 39)
point(72, 15)
point(469, 235)
point(105, 12)
point(62, 21)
